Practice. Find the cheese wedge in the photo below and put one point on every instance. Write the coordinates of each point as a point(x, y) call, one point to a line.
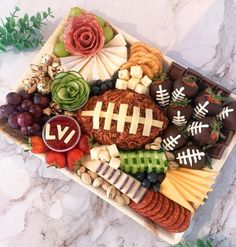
point(111, 67)
point(118, 61)
point(96, 115)
point(120, 51)
point(188, 195)
point(117, 41)
point(122, 117)
point(103, 73)
point(189, 176)
point(170, 191)
point(193, 190)
point(201, 187)
point(200, 173)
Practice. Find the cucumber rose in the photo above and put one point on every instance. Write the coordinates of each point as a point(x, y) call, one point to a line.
point(69, 90)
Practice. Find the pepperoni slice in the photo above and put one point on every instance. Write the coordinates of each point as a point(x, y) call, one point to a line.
point(185, 224)
point(179, 222)
point(168, 214)
point(144, 202)
point(157, 208)
point(150, 206)
point(164, 209)
point(173, 217)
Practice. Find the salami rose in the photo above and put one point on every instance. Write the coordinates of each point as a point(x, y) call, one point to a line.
point(83, 35)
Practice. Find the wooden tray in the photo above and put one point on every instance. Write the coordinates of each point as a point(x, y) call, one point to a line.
point(17, 139)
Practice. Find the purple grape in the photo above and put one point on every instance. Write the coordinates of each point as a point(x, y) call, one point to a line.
point(12, 121)
point(26, 104)
point(25, 119)
point(6, 111)
point(25, 95)
point(44, 119)
point(36, 110)
point(34, 128)
point(19, 108)
point(42, 100)
point(24, 131)
point(13, 98)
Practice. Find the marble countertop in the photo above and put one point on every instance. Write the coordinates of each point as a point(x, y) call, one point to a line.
point(42, 208)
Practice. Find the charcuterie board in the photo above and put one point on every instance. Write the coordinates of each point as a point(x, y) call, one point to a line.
point(155, 124)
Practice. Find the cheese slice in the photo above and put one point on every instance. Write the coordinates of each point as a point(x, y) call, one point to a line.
point(201, 173)
point(87, 69)
point(108, 116)
point(103, 73)
point(65, 60)
point(61, 132)
point(188, 187)
point(118, 40)
point(82, 64)
point(111, 67)
point(120, 51)
point(135, 120)
point(122, 117)
point(95, 74)
point(188, 195)
point(170, 191)
point(201, 187)
point(118, 61)
point(96, 115)
point(148, 122)
point(48, 136)
point(189, 176)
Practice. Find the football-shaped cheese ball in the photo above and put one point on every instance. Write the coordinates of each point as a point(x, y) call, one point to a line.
point(122, 117)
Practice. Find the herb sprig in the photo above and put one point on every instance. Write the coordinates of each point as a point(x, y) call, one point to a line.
point(198, 243)
point(22, 33)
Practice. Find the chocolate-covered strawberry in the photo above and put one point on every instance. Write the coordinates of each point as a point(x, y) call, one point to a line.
point(180, 112)
point(173, 138)
point(207, 103)
point(160, 90)
point(205, 131)
point(191, 157)
point(185, 87)
point(228, 116)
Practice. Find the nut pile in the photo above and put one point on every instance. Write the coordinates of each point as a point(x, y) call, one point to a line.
point(90, 178)
point(43, 74)
point(155, 145)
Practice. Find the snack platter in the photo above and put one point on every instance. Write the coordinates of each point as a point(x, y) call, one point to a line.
point(156, 126)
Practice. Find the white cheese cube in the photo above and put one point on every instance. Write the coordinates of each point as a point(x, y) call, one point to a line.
point(141, 89)
point(132, 83)
point(136, 71)
point(124, 74)
point(121, 84)
point(104, 156)
point(95, 151)
point(146, 81)
point(113, 150)
point(114, 162)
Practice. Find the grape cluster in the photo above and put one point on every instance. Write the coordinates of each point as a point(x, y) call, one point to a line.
point(150, 180)
point(99, 86)
point(24, 111)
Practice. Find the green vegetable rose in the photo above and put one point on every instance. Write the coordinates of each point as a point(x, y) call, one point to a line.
point(69, 90)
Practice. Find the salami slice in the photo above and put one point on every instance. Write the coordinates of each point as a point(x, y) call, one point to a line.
point(150, 206)
point(186, 222)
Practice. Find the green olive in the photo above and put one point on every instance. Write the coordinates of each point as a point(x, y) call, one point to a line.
point(60, 51)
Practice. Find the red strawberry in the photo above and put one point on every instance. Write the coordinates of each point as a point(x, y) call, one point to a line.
point(214, 135)
point(84, 144)
point(74, 158)
point(56, 159)
point(37, 145)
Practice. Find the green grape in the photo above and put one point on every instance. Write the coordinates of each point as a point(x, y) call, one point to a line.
point(60, 51)
point(76, 11)
point(108, 33)
point(101, 21)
